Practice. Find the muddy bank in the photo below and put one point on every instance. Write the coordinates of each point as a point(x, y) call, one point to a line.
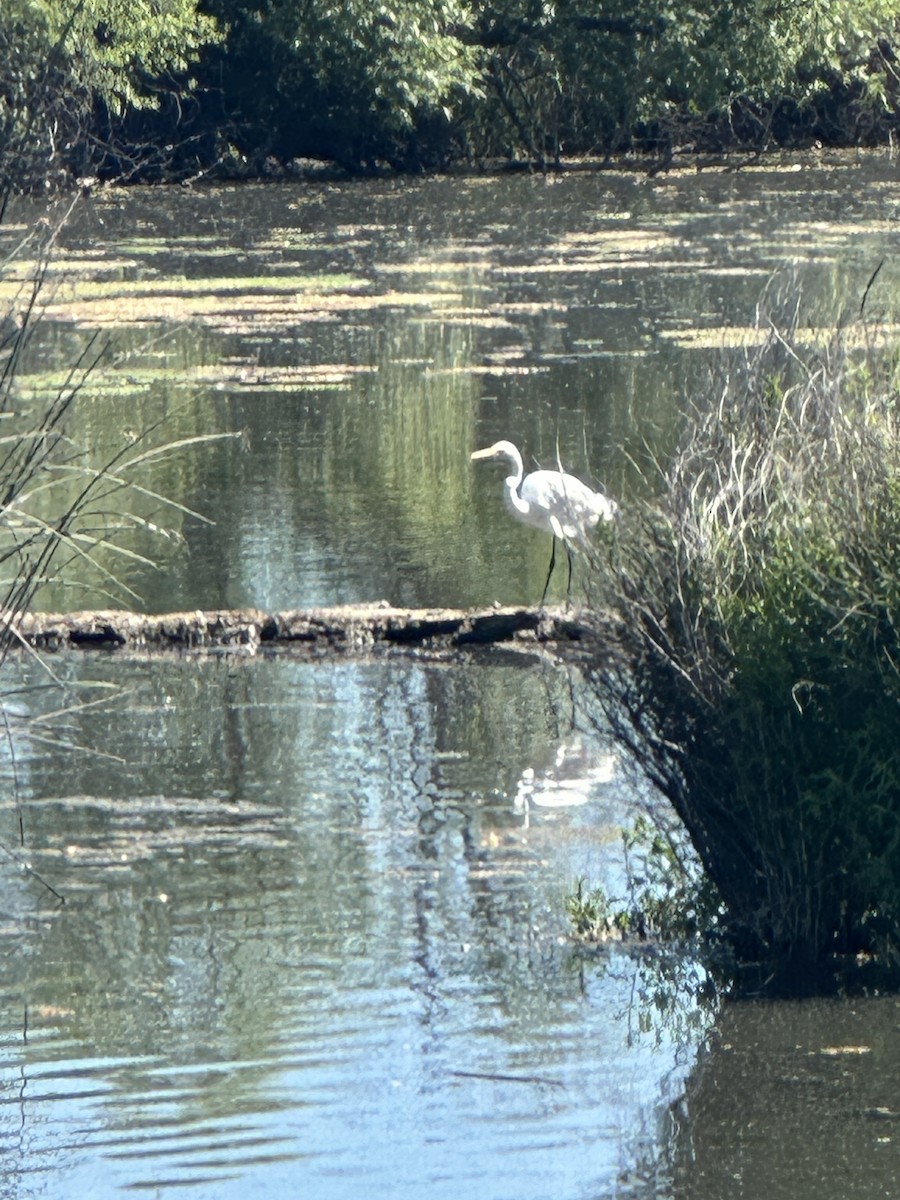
point(349, 629)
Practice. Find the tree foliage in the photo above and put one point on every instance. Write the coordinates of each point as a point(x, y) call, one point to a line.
point(65, 66)
point(419, 83)
point(581, 75)
point(121, 49)
point(353, 81)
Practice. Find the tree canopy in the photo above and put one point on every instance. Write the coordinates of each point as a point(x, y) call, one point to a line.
point(421, 83)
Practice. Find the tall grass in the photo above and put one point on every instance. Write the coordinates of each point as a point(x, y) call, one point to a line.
point(32, 442)
point(65, 510)
point(758, 685)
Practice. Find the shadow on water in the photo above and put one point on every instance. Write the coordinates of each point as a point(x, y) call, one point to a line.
point(792, 1100)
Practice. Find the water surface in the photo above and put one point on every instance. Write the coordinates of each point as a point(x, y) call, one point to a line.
point(793, 1101)
point(311, 943)
point(364, 339)
point(314, 937)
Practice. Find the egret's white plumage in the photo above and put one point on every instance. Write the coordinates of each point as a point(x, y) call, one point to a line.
point(553, 501)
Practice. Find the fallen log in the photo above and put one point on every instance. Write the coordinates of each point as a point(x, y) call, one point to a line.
point(350, 628)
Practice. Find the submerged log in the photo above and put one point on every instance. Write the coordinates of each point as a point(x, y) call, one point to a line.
point(351, 628)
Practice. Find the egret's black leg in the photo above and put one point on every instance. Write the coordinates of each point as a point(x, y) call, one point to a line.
point(549, 573)
point(569, 579)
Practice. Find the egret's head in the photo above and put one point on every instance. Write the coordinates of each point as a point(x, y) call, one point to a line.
point(498, 450)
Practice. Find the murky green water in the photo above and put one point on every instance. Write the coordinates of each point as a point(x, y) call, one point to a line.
point(364, 339)
point(314, 938)
point(793, 1101)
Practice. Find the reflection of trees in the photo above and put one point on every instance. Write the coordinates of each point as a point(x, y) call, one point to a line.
point(360, 493)
point(294, 863)
point(329, 815)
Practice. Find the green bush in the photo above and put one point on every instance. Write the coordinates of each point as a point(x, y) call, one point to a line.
point(355, 82)
point(758, 686)
point(67, 68)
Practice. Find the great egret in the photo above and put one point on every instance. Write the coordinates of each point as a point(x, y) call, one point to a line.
point(558, 503)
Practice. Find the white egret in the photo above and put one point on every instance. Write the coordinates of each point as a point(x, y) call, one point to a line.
point(553, 501)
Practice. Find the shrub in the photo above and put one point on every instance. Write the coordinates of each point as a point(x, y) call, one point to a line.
point(757, 600)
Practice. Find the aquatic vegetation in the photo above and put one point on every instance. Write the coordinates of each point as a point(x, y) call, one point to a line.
point(665, 925)
point(668, 897)
point(757, 599)
point(593, 918)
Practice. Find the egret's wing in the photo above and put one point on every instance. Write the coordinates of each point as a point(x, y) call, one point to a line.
point(564, 506)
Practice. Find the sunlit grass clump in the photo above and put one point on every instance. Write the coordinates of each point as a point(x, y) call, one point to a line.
point(758, 599)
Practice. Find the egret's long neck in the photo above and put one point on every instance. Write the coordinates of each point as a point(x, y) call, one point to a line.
point(514, 501)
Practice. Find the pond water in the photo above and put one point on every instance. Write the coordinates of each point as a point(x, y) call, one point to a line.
point(314, 940)
point(314, 935)
point(364, 339)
